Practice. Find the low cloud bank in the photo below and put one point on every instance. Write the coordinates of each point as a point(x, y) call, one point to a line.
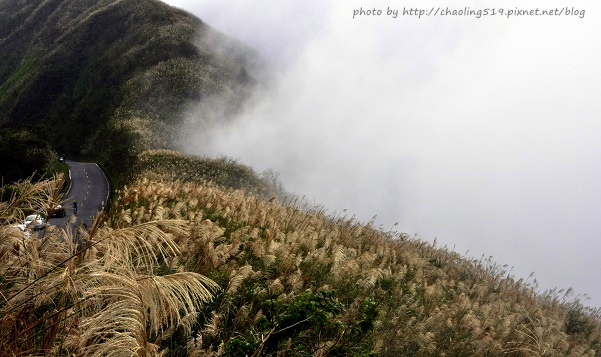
point(483, 132)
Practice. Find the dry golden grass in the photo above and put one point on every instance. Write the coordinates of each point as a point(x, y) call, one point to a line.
point(92, 292)
point(431, 301)
point(172, 165)
point(193, 268)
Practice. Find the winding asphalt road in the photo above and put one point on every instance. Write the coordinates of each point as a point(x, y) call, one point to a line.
point(89, 188)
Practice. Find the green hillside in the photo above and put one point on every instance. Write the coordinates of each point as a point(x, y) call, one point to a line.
point(112, 77)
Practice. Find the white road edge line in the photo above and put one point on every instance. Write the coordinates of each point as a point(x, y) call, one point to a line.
point(70, 181)
point(108, 186)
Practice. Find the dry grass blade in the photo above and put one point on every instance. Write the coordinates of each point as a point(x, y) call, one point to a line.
point(97, 294)
point(27, 196)
point(139, 308)
point(144, 245)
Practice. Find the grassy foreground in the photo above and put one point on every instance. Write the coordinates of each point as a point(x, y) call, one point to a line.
point(92, 292)
point(194, 268)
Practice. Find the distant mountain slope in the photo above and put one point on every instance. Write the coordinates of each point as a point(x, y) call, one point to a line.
point(121, 69)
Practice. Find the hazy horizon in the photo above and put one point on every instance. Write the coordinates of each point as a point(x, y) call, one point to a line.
point(483, 133)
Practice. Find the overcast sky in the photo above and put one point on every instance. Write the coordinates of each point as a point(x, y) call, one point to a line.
point(484, 133)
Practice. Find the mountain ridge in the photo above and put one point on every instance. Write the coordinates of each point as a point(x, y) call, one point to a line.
point(86, 67)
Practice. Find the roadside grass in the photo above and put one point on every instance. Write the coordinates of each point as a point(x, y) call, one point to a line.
point(99, 294)
point(63, 169)
point(112, 185)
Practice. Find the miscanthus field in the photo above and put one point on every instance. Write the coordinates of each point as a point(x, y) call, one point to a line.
point(209, 263)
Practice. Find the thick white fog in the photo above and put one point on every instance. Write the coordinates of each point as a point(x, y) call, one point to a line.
point(483, 133)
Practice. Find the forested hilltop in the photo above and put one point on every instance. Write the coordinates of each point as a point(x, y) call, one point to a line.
point(110, 78)
point(200, 256)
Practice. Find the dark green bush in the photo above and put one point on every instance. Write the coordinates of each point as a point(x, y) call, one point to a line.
point(310, 323)
point(22, 154)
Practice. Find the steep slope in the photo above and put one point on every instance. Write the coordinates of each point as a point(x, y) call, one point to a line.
point(195, 269)
point(300, 282)
point(122, 69)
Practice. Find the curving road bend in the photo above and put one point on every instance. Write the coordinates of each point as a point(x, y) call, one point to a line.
point(89, 188)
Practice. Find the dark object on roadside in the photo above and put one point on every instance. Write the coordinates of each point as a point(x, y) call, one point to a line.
point(63, 158)
point(58, 211)
point(75, 207)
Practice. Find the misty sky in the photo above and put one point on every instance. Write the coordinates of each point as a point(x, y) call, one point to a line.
point(484, 133)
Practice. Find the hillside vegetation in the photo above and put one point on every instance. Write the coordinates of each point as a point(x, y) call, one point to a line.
point(242, 275)
point(90, 292)
point(24, 154)
point(168, 165)
point(110, 78)
point(393, 295)
point(204, 256)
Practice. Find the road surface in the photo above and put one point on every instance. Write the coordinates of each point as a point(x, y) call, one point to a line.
point(89, 188)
